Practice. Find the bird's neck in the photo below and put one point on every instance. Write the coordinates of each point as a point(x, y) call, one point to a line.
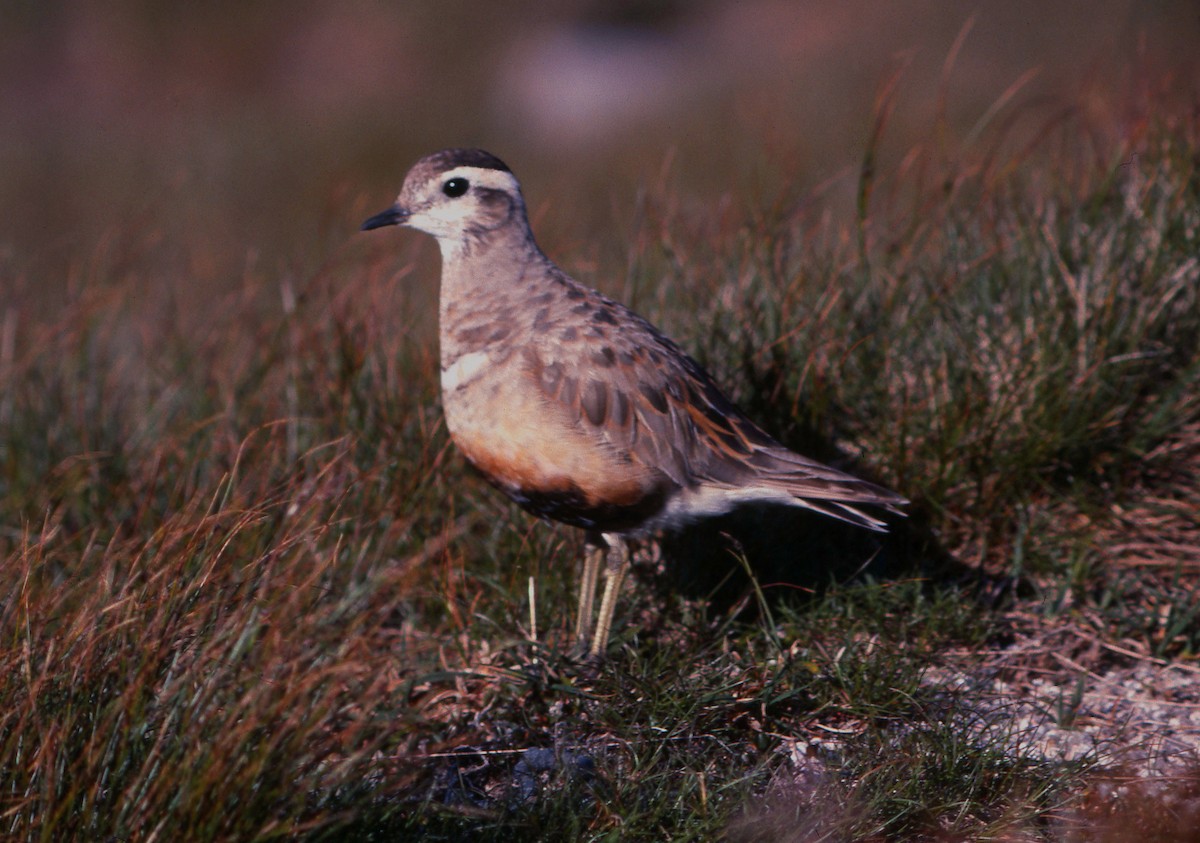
point(483, 282)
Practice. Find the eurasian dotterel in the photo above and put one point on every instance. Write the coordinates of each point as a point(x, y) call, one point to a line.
point(573, 405)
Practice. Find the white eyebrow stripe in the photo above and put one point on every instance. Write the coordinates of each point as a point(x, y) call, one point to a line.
point(484, 176)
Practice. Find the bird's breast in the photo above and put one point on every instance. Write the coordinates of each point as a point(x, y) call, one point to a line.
point(465, 369)
point(556, 467)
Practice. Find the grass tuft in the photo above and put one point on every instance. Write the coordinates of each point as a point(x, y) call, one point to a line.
point(252, 593)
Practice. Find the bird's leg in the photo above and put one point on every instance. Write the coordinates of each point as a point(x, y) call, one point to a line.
point(587, 587)
point(618, 567)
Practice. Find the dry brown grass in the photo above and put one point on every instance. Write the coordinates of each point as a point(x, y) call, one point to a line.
point(250, 591)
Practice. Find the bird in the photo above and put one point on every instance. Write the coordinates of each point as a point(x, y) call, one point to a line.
point(577, 408)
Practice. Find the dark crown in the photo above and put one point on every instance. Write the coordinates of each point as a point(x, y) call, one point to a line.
point(448, 159)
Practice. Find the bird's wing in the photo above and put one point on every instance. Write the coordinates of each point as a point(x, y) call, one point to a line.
point(640, 395)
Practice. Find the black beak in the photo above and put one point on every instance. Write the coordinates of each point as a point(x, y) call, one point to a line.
point(394, 215)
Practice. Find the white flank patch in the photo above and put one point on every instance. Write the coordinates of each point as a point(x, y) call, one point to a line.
point(706, 501)
point(464, 370)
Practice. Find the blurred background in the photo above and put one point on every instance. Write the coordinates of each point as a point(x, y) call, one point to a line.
point(190, 147)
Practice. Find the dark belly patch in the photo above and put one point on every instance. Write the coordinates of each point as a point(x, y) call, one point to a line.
point(571, 506)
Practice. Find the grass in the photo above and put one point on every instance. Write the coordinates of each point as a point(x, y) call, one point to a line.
point(253, 593)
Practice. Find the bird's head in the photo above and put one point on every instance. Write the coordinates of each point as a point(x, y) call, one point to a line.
point(458, 196)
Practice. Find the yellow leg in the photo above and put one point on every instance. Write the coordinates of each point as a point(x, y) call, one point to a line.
point(618, 567)
point(587, 590)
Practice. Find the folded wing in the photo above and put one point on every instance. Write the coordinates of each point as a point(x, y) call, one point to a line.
point(654, 406)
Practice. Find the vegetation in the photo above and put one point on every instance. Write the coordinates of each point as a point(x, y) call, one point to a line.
point(252, 592)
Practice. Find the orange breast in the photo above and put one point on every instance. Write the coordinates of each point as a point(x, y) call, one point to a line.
point(528, 446)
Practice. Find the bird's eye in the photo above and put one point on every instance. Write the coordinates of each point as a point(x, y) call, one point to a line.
point(455, 187)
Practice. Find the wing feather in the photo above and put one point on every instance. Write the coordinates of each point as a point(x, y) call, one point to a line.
point(640, 395)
